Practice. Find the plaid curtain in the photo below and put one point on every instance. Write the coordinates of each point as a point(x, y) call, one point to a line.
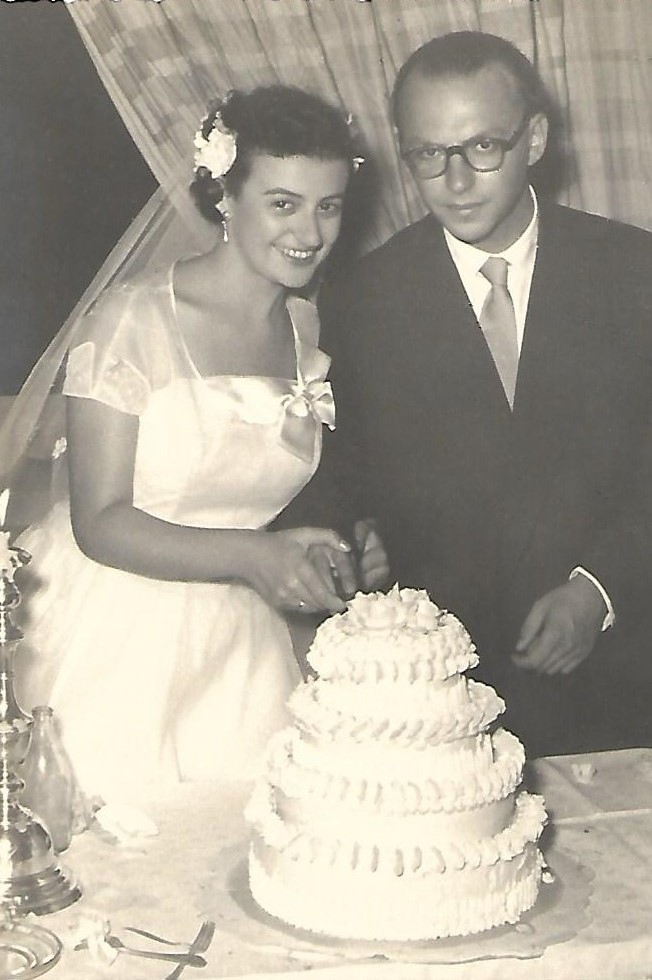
point(162, 62)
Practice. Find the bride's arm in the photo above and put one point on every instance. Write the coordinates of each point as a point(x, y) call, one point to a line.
point(110, 530)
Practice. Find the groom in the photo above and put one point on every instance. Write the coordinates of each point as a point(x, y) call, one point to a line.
point(492, 370)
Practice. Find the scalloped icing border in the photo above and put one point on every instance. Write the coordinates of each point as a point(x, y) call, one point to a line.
point(399, 797)
point(370, 856)
point(484, 706)
point(429, 910)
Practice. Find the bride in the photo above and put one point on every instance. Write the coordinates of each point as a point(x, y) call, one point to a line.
point(195, 399)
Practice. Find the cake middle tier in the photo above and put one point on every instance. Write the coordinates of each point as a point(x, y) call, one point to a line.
point(406, 714)
point(344, 788)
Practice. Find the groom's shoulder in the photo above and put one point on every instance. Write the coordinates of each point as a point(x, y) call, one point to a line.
point(611, 260)
point(594, 232)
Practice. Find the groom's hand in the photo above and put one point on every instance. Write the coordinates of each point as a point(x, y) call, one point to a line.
point(561, 628)
point(373, 564)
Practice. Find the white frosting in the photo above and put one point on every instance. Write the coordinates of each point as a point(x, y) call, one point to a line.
point(472, 714)
point(408, 833)
point(401, 635)
point(430, 905)
point(394, 700)
point(397, 853)
point(382, 781)
point(389, 791)
point(383, 762)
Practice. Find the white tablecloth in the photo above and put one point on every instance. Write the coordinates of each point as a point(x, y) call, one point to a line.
point(166, 884)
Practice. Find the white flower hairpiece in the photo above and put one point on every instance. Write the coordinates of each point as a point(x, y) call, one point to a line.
point(217, 151)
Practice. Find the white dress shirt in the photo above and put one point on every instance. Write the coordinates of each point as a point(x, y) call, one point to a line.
point(520, 257)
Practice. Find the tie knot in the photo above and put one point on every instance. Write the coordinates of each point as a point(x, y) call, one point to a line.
point(495, 270)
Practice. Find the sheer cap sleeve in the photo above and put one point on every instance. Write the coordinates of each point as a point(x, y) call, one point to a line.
point(119, 355)
point(117, 352)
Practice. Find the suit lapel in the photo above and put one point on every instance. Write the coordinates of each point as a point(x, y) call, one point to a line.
point(453, 416)
point(441, 310)
point(546, 393)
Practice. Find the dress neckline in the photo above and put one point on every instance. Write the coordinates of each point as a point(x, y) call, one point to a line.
point(202, 377)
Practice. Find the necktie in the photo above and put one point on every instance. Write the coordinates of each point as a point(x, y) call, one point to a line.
point(498, 324)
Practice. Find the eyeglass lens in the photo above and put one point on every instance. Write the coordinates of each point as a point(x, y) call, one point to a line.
point(431, 160)
point(482, 154)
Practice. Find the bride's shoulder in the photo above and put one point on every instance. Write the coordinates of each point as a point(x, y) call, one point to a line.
point(141, 287)
point(194, 274)
point(131, 312)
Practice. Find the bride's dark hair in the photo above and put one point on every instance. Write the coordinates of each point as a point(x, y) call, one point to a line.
point(278, 120)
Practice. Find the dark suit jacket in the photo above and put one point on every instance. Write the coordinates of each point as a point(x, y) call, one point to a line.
point(489, 509)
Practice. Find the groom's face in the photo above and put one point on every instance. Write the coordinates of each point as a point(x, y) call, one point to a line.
point(489, 210)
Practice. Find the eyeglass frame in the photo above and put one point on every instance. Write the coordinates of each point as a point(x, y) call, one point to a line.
point(459, 149)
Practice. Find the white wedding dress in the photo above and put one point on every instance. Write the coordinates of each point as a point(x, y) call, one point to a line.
point(156, 681)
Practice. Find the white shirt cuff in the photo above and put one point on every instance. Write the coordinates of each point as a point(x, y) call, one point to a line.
point(610, 618)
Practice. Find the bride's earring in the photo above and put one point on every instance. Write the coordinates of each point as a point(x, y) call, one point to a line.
point(225, 218)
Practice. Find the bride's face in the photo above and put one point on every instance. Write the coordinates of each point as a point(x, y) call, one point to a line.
point(286, 216)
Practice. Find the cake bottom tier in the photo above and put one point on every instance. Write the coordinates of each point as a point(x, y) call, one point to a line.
point(332, 902)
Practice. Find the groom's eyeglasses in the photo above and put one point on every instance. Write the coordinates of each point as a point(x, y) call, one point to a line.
point(482, 153)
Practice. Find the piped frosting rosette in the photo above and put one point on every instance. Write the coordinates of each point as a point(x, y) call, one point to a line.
point(396, 636)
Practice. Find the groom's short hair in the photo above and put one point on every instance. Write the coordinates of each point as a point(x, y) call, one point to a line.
point(466, 53)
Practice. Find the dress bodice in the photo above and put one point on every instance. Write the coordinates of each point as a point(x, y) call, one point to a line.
point(223, 451)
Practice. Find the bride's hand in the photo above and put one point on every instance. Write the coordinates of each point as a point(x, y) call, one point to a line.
point(337, 567)
point(281, 571)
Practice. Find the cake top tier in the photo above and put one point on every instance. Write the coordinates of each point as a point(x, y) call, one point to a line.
point(398, 635)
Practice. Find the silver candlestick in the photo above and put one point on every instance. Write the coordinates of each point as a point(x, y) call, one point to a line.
point(31, 880)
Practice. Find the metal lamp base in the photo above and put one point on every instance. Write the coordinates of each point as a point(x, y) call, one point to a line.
point(31, 879)
point(49, 891)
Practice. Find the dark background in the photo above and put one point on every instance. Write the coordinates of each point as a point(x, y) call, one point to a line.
point(71, 179)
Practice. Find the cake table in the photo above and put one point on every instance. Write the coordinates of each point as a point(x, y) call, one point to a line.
point(601, 812)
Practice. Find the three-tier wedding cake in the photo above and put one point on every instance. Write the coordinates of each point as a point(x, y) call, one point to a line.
point(393, 809)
